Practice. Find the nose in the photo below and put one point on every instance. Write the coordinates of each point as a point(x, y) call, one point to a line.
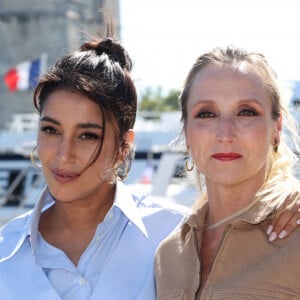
point(226, 130)
point(66, 150)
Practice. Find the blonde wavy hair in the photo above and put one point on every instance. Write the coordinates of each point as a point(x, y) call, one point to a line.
point(280, 180)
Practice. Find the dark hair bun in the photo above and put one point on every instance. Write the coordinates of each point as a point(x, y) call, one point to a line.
point(112, 48)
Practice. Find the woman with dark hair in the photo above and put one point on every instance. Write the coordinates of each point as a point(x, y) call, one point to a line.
point(88, 236)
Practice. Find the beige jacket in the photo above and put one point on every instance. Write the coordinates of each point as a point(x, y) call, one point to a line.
point(247, 265)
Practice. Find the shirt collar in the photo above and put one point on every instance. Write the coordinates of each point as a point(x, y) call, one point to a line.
point(124, 200)
point(45, 200)
point(256, 212)
point(127, 203)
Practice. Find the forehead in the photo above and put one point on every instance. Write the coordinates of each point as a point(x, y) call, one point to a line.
point(70, 103)
point(214, 80)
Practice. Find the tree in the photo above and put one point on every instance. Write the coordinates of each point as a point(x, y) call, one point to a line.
point(171, 101)
point(153, 100)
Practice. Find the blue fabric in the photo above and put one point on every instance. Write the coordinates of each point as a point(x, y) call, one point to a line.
point(34, 73)
point(117, 264)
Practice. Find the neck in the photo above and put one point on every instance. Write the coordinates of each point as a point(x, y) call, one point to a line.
point(79, 215)
point(225, 202)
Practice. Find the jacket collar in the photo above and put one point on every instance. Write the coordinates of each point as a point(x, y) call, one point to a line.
point(256, 212)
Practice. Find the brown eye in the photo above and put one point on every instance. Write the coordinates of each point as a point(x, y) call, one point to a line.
point(48, 130)
point(205, 115)
point(89, 136)
point(248, 113)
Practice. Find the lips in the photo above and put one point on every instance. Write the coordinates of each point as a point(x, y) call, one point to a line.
point(226, 156)
point(64, 176)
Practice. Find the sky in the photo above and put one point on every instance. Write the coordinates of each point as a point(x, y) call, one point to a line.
point(164, 37)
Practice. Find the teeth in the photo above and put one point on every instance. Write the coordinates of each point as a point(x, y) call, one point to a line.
point(64, 176)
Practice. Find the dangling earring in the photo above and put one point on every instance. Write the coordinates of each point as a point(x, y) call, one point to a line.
point(275, 145)
point(123, 169)
point(34, 163)
point(187, 167)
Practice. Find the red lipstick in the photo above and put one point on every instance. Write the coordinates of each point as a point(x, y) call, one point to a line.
point(226, 156)
point(64, 176)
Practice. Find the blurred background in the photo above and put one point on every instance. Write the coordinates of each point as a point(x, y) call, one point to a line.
point(163, 37)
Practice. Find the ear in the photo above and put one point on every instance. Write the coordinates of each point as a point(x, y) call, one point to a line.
point(128, 139)
point(279, 124)
point(187, 144)
point(277, 131)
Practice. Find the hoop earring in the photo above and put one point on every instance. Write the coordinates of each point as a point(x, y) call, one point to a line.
point(187, 167)
point(34, 163)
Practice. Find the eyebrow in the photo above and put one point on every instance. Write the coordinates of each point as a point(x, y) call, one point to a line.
point(80, 125)
point(251, 100)
point(241, 101)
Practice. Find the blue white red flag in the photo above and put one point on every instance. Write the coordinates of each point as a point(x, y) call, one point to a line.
point(25, 75)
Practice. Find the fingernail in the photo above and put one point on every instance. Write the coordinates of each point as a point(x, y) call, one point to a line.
point(273, 236)
point(298, 221)
point(269, 229)
point(282, 234)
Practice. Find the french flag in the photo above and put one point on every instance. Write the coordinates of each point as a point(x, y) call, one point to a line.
point(25, 75)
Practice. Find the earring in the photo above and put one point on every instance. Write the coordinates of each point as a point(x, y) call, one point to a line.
point(34, 163)
point(187, 167)
point(275, 145)
point(123, 169)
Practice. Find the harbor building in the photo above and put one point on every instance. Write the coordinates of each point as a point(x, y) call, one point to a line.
point(34, 29)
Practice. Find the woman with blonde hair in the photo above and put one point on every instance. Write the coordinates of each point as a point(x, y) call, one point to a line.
point(242, 146)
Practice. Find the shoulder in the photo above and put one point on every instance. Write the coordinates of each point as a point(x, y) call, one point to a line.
point(16, 225)
point(159, 215)
point(12, 233)
point(176, 252)
point(180, 243)
point(176, 242)
point(160, 203)
point(159, 206)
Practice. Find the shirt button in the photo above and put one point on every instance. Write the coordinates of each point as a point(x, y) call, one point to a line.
point(81, 281)
point(97, 238)
point(111, 215)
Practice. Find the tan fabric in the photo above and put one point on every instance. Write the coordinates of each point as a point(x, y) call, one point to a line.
point(247, 265)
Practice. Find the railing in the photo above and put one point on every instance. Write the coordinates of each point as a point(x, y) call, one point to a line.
point(25, 181)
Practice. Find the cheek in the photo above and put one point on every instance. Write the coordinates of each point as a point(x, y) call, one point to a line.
point(260, 134)
point(196, 135)
point(43, 149)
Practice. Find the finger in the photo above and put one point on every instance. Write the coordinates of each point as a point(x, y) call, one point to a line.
point(294, 197)
point(290, 226)
point(280, 219)
point(282, 216)
point(284, 225)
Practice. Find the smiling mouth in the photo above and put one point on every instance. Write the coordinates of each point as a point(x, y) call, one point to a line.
point(226, 156)
point(64, 176)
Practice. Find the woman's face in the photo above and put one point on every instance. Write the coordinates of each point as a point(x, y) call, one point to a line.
point(229, 127)
point(70, 133)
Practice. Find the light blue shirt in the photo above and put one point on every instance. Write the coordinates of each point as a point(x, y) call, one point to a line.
point(117, 264)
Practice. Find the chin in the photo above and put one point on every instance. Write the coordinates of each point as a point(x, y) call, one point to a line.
point(63, 195)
